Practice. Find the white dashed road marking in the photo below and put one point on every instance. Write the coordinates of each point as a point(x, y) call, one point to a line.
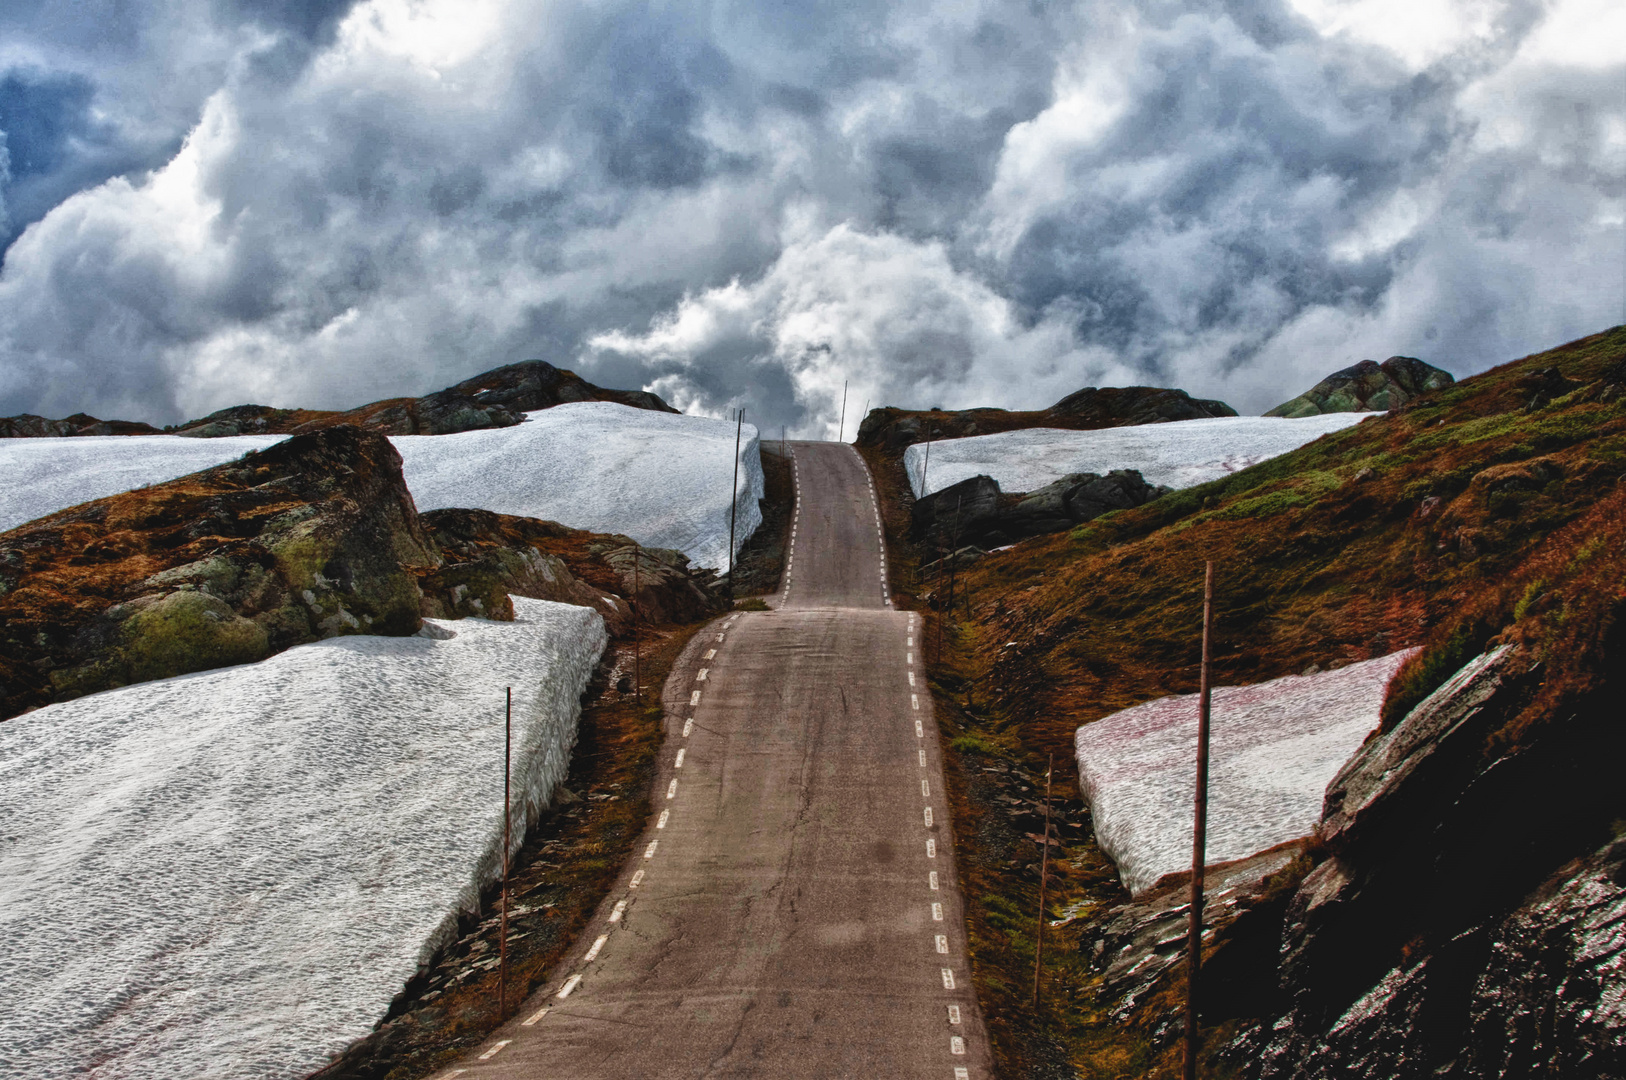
point(495, 1049)
point(954, 1014)
point(932, 877)
point(592, 954)
point(570, 986)
point(931, 849)
point(925, 787)
point(671, 790)
point(530, 1021)
point(937, 913)
point(928, 817)
point(920, 730)
point(677, 763)
point(956, 1045)
point(621, 907)
point(666, 815)
point(649, 852)
point(694, 698)
point(948, 978)
point(637, 877)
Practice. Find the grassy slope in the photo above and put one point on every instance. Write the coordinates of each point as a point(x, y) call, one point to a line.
point(1463, 518)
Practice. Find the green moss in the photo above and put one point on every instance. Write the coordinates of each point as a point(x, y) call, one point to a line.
point(189, 631)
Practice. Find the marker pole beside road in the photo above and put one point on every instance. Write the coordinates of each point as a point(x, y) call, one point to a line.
point(1199, 836)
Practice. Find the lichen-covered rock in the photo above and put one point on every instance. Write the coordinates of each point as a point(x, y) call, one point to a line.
point(490, 557)
point(312, 538)
point(1367, 387)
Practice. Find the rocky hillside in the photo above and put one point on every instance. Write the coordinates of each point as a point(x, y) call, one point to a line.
point(1368, 387)
point(498, 398)
point(893, 429)
point(1467, 883)
point(314, 537)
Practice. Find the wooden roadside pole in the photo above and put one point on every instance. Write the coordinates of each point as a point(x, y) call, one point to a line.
point(502, 946)
point(1044, 876)
point(841, 434)
point(733, 497)
point(637, 640)
point(1199, 836)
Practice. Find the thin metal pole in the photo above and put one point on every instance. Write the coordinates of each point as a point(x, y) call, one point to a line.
point(637, 640)
point(924, 490)
point(507, 759)
point(1044, 874)
point(733, 497)
point(1199, 836)
point(841, 435)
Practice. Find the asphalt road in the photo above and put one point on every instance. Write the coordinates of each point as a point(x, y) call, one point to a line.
point(793, 910)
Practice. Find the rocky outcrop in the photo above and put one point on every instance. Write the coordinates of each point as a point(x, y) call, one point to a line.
point(1443, 934)
point(29, 426)
point(497, 398)
point(1367, 387)
point(491, 557)
point(312, 538)
point(974, 511)
point(1086, 410)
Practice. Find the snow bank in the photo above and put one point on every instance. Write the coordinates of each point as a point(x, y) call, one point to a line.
point(1179, 454)
point(42, 476)
point(656, 477)
point(1274, 748)
point(230, 874)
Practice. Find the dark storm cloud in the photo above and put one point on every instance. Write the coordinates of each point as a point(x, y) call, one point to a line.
point(751, 203)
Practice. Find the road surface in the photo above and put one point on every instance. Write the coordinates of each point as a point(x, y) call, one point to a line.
point(793, 910)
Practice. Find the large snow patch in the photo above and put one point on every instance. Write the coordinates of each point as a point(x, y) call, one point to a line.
point(660, 478)
point(1179, 454)
point(230, 874)
point(42, 476)
point(1274, 748)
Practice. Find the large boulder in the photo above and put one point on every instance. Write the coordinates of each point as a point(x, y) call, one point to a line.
point(491, 557)
point(1367, 387)
point(312, 538)
point(974, 511)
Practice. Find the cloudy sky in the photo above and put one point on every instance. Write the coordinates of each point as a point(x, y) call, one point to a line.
point(325, 202)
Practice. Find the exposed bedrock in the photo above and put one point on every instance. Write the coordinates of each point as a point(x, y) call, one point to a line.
point(1367, 387)
point(1468, 917)
point(312, 538)
point(975, 511)
point(1085, 410)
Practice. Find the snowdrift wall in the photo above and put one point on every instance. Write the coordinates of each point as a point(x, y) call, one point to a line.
point(231, 874)
point(1179, 454)
point(660, 478)
point(1274, 748)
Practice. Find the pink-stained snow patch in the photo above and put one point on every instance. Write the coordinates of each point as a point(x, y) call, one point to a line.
point(1274, 748)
